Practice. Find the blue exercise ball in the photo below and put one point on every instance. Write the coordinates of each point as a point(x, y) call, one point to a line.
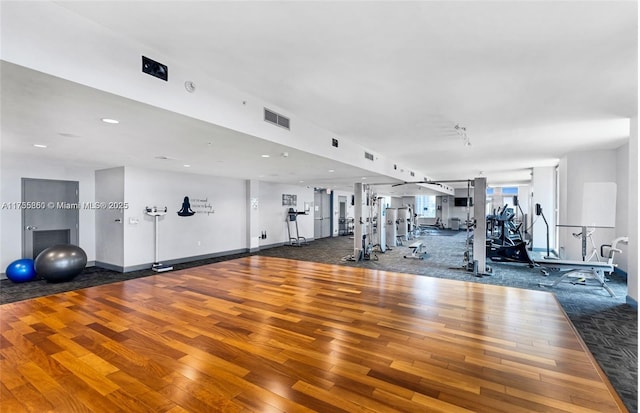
point(21, 271)
point(60, 262)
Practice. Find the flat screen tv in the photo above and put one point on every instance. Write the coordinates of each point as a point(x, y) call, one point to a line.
point(461, 202)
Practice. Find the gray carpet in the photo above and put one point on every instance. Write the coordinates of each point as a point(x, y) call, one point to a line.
point(608, 326)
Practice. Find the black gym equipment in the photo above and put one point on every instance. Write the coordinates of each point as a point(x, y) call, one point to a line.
point(540, 213)
point(292, 216)
point(505, 242)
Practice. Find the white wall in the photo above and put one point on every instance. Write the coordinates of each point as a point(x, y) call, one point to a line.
point(223, 230)
point(634, 201)
point(622, 204)
point(273, 214)
point(13, 169)
point(543, 186)
point(254, 235)
point(129, 244)
point(109, 232)
point(579, 168)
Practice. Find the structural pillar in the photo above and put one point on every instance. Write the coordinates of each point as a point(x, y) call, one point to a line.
point(480, 229)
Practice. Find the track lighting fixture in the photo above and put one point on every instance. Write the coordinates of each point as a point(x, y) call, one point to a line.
point(462, 132)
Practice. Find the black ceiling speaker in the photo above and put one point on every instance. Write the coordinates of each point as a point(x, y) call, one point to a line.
point(155, 69)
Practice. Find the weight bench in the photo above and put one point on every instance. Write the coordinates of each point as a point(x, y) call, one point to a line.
point(580, 269)
point(585, 269)
point(416, 251)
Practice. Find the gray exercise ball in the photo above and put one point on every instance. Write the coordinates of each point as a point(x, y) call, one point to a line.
point(60, 262)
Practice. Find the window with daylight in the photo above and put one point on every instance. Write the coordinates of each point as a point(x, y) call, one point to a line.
point(426, 206)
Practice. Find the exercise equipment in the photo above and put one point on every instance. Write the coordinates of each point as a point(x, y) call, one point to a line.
point(345, 226)
point(504, 238)
point(60, 262)
point(540, 213)
point(422, 227)
point(368, 237)
point(417, 250)
point(583, 270)
point(404, 224)
point(21, 270)
point(292, 216)
point(156, 213)
point(475, 257)
point(525, 230)
point(378, 225)
point(594, 250)
point(391, 226)
point(584, 235)
point(367, 253)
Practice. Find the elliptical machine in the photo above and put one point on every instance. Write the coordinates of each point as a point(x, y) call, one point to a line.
point(505, 242)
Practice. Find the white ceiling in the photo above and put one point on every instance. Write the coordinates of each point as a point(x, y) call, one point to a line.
point(530, 82)
point(66, 117)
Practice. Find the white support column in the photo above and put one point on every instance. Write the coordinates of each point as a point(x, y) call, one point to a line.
point(480, 231)
point(358, 192)
point(633, 230)
point(382, 224)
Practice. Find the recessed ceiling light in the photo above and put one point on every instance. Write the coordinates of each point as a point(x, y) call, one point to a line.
point(331, 170)
point(265, 156)
point(364, 177)
point(37, 145)
point(301, 182)
point(187, 166)
point(108, 120)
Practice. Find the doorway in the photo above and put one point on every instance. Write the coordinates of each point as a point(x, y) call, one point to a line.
point(342, 217)
point(322, 214)
point(53, 217)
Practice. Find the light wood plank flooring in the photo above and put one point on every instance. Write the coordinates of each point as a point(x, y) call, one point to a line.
point(274, 335)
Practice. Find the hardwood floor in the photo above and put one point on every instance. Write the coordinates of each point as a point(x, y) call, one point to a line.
point(274, 335)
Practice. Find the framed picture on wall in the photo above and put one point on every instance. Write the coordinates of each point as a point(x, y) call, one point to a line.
point(289, 200)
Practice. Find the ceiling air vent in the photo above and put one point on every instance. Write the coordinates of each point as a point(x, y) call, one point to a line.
point(412, 173)
point(275, 118)
point(334, 142)
point(368, 156)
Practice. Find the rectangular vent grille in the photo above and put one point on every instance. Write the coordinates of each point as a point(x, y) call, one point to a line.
point(395, 167)
point(275, 118)
point(368, 156)
point(334, 142)
point(412, 173)
point(156, 69)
